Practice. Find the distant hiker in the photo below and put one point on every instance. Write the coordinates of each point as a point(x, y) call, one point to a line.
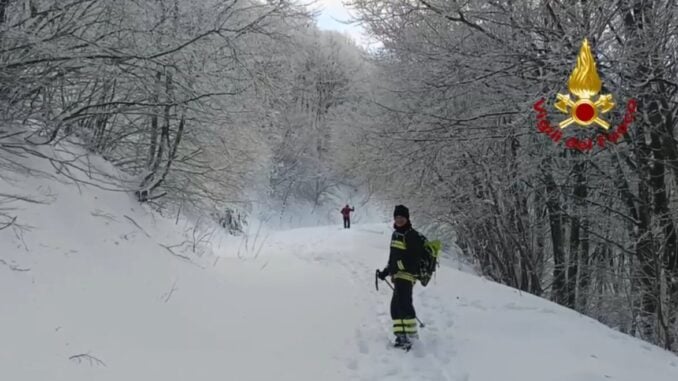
point(346, 212)
point(407, 249)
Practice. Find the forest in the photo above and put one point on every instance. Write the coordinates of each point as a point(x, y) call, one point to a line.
point(221, 107)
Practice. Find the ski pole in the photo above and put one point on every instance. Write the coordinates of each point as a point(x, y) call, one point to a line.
point(376, 280)
point(421, 323)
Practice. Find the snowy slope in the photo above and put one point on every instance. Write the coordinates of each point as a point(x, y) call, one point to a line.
point(90, 291)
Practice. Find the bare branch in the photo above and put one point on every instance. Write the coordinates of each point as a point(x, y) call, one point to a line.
point(87, 357)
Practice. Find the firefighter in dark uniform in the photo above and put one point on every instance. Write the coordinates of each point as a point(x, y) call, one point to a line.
point(407, 247)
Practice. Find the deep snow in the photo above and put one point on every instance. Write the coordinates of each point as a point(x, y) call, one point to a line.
point(93, 289)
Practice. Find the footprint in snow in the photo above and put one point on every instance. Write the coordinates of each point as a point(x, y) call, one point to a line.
point(444, 350)
point(516, 307)
point(474, 304)
point(362, 344)
point(419, 350)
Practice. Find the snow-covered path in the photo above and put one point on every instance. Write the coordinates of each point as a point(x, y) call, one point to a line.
point(358, 327)
point(475, 329)
point(358, 253)
point(93, 289)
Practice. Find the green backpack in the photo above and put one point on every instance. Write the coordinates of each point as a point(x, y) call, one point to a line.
point(429, 261)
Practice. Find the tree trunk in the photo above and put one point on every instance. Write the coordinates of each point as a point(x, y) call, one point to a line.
point(585, 267)
point(555, 222)
point(3, 11)
point(575, 258)
point(172, 154)
point(152, 163)
point(645, 248)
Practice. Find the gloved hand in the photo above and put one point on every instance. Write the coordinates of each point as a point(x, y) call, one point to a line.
point(383, 274)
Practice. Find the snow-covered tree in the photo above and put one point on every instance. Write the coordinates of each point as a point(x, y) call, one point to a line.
point(456, 136)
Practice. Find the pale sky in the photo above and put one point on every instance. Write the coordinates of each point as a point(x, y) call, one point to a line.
point(333, 13)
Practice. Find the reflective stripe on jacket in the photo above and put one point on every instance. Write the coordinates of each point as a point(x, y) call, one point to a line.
point(406, 250)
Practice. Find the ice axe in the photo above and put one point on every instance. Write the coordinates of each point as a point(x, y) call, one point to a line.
point(376, 285)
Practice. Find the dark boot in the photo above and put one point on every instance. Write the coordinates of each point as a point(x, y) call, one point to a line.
point(402, 341)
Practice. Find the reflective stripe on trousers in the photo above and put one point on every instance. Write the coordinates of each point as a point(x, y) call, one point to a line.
point(404, 326)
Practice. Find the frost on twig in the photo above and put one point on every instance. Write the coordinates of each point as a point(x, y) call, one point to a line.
point(14, 267)
point(137, 225)
point(88, 358)
point(6, 219)
point(104, 215)
point(181, 256)
point(6, 224)
point(169, 293)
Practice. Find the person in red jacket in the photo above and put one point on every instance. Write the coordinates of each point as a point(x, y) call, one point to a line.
point(346, 212)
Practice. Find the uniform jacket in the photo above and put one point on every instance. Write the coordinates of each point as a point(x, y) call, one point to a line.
point(407, 248)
